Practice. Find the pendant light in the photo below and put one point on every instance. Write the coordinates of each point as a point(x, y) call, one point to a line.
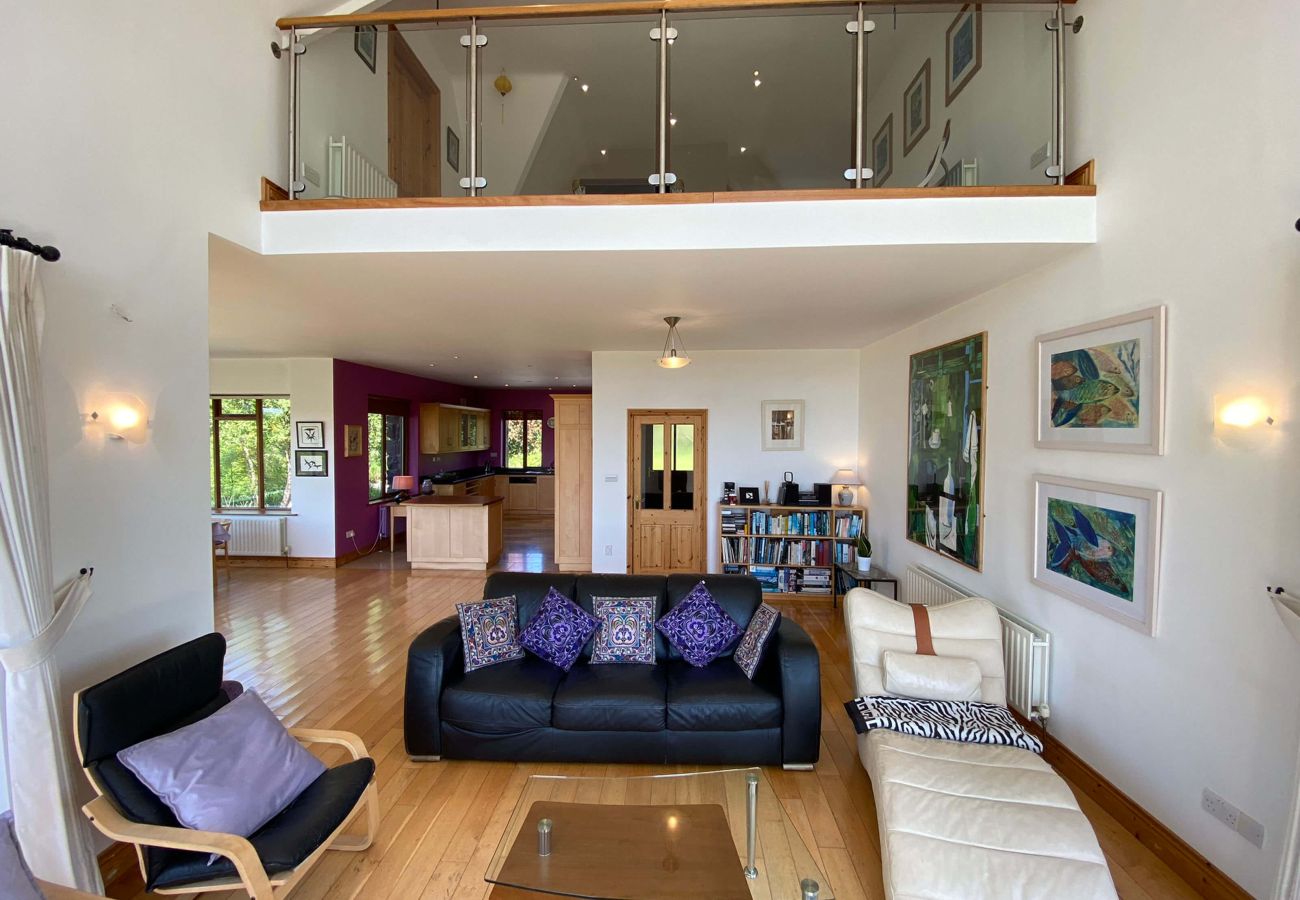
point(674, 355)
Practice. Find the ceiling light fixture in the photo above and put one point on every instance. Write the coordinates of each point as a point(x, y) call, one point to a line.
point(603, 151)
point(757, 80)
point(585, 87)
point(674, 355)
point(672, 120)
point(743, 149)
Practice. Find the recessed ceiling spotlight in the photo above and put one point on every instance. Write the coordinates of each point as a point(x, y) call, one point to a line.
point(743, 149)
point(672, 120)
point(757, 82)
point(507, 384)
point(431, 365)
point(476, 377)
point(585, 87)
point(455, 357)
point(603, 151)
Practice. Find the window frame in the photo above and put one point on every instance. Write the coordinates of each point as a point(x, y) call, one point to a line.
point(386, 407)
point(214, 405)
point(525, 416)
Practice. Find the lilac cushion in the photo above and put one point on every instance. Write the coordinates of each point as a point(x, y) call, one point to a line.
point(489, 631)
point(699, 628)
point(232, 772)
point(627, 630)
point(16, 880)
point(232, 689)
point(558, 630)
point(749, 652)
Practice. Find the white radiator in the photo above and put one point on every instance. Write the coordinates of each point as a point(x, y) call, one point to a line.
point(257, 535)
point(349, 174)
point(1026, 648)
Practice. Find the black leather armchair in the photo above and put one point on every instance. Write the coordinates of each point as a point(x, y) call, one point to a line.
point(670, 712)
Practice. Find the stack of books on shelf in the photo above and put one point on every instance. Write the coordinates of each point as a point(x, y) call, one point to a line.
point(776, 580)
point(847, 524)
point(789, 523)
point(788, 552)
point(847, 554)
point(733, 521)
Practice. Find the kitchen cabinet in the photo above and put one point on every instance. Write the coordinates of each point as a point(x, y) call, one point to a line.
point(523, 493)
point(450, 428)
point(573, 478)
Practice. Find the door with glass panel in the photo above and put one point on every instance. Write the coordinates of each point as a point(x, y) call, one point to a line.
point(667, 502)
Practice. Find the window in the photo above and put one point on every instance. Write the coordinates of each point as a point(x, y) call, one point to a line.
point(250, 453)
point(523, 438)
point(385, 443)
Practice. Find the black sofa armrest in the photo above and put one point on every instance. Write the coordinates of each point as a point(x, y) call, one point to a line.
point(792, 664)
point(433, 654)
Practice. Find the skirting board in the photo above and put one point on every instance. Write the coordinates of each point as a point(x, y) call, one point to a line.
point(1204, 877)
point(279, 562)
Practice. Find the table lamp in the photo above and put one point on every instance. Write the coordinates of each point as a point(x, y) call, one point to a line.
point(846, 479)
point(403, 485)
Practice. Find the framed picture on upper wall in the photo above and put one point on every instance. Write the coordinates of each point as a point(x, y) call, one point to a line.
point(782, 424)
point(916, 108)
point(945, 465)
point(453, 150)
point(365, 41)
point(882, 152)
point(1099, 545)
point(311, 435)
point(1102, 386)
point(964, 51)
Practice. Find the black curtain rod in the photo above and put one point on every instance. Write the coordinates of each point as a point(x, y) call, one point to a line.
point(47, 253)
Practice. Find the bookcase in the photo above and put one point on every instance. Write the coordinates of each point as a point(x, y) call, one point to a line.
point(791, 550)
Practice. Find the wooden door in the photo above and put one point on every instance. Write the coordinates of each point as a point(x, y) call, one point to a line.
point(573, 482)
point(667, 481)
point(414, 122)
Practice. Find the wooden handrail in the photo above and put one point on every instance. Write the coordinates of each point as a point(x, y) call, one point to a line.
point(578, 10)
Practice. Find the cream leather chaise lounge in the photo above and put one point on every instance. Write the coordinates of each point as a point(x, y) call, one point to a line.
point(962, 820)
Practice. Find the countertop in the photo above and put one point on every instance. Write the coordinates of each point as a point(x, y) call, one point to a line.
point(434, 500)
point(463, 475)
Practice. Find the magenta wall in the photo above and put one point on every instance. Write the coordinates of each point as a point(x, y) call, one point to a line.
point(354, 385)
point(501, 399)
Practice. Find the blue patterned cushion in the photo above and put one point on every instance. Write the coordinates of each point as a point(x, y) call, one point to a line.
point(699, 628)
point(749, 652)
point(558, 631)
point(627, 630)
point(489, 629)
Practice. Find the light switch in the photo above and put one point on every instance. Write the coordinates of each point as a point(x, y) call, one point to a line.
point(611, 479)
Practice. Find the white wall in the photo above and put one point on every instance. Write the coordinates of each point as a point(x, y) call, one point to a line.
point(1001, 116)
point(149, 131)
point(309, 385)
point(731, 385)
point(1211, 700)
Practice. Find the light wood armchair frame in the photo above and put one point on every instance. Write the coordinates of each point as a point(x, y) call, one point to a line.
point(252, 876)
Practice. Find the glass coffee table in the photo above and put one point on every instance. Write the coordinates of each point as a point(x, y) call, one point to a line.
point(722, 835)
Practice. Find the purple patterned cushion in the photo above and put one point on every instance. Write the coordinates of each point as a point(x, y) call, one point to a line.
point(232, 772)
point(627, 630)
point(558, 631)
point(699, 628)
point(489, 629)
point(749, 652)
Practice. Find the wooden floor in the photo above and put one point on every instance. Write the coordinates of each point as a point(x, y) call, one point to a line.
point(327, 649)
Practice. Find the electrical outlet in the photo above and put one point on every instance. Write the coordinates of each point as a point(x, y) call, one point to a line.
point(1251, 829)
point(609, 549)
point(1221, 809)
point(611, 479)
point(349, 533)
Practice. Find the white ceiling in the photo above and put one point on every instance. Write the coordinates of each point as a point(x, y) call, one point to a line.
point(533, 318)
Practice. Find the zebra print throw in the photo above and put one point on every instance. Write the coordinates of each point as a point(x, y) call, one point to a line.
point(969, 721)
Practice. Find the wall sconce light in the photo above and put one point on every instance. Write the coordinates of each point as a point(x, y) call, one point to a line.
point(123, 417)
point(1244, 420)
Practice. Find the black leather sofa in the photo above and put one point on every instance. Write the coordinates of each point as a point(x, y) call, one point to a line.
point(671, 712)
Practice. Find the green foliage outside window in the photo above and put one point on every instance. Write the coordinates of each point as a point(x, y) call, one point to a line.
point(523, 439)
point(243, 478)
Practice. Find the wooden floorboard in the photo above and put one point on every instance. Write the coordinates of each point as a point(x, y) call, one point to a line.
point(327, 648)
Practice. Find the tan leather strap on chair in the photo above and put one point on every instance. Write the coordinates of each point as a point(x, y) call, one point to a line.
point(921, 618)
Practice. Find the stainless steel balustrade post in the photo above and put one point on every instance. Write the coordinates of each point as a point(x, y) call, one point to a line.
point(860, 27)
point(663, 101)
point(296, 50)
point(1057, 26)
point(473, 42)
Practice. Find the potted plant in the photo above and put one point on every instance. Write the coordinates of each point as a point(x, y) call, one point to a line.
point(864, 553)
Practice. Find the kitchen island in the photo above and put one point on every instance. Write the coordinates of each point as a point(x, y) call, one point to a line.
point(453, 532)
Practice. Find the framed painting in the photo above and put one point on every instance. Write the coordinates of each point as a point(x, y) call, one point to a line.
point(365, 41)
point(882, 152)
point(353, 445)
point(916, 108)
point(945, 463)
point(782, 424)
point(963, 51)
point(1099, 545)
point(311, 435)
point(453, 150)
point(311, 463)
point(1102, 386)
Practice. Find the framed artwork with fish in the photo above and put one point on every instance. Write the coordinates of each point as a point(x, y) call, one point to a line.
point(1102, 386)
point(1098, 544)
point(945, 462)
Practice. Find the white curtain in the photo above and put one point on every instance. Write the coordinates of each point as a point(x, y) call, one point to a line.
point(51, 828)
